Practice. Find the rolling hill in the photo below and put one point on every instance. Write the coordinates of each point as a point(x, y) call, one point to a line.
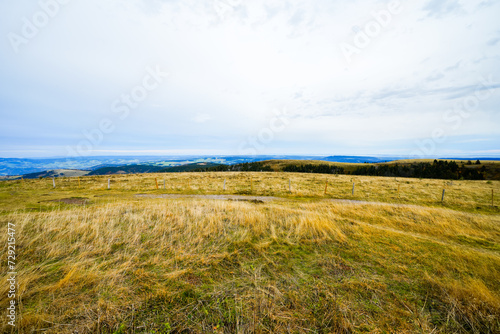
point(56, 173)
point(189, 167)
point(127, 169)
point(439, 169)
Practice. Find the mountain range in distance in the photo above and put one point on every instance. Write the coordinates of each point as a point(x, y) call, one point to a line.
point(13, 168)
point(16, 166)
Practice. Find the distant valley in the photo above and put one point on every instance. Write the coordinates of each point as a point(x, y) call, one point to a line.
point(18, 167)
point(356, 165)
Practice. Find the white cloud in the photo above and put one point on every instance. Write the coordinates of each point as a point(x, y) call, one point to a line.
point(201, 118)
point(236, 68)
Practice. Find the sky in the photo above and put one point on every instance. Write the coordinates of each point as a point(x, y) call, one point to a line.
point(240, 77)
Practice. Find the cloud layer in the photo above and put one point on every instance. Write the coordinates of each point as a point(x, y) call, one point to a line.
point(272, 77)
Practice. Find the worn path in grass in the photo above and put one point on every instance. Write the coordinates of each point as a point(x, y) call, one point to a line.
point(248, 198)
point(217, 197)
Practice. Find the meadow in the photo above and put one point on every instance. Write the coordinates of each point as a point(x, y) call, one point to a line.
point(390, 258)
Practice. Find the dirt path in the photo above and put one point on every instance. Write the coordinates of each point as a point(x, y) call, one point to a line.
point(260, 199)
point(248, 198)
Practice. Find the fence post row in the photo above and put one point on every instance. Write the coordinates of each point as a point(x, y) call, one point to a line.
point(252, 188)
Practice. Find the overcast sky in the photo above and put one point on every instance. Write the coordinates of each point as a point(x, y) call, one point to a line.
point(325, 77)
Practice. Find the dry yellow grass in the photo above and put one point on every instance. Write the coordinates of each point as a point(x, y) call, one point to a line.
point(472, 196)
point(123, 264)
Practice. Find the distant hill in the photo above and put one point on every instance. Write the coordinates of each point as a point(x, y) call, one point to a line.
point(56, 173)
point(189, 167)
point(283, 166)
point(358, 159)
point(12, 168)
point(128, 169)
point(431, 169)
point(17, 166)
point(104, 166)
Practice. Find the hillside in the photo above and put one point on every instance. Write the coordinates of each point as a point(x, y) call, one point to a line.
point(438, 169)
point(127, 169)
point(56, 173)
point(14, 166)
point(486, 169)
point(390, 257)
point(188, 167)
point(280, 165)
point(491, 167)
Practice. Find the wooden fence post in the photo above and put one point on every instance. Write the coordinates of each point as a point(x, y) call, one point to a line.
point(492, 192)
point(251, 185)
point(109, 184)
point(290, 185)
point(442, 196)
point(398, 190)
point(54, 182)
point(156, 181)
point(164, 184)
point(326, 186)
point(224, 185)
point(353, 185)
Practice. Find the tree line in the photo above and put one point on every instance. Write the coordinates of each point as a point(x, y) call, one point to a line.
point(243, 167)
point(437, 170)
point(309, 168)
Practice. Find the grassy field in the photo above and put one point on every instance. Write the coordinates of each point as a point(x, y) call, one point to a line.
point(395, 259)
